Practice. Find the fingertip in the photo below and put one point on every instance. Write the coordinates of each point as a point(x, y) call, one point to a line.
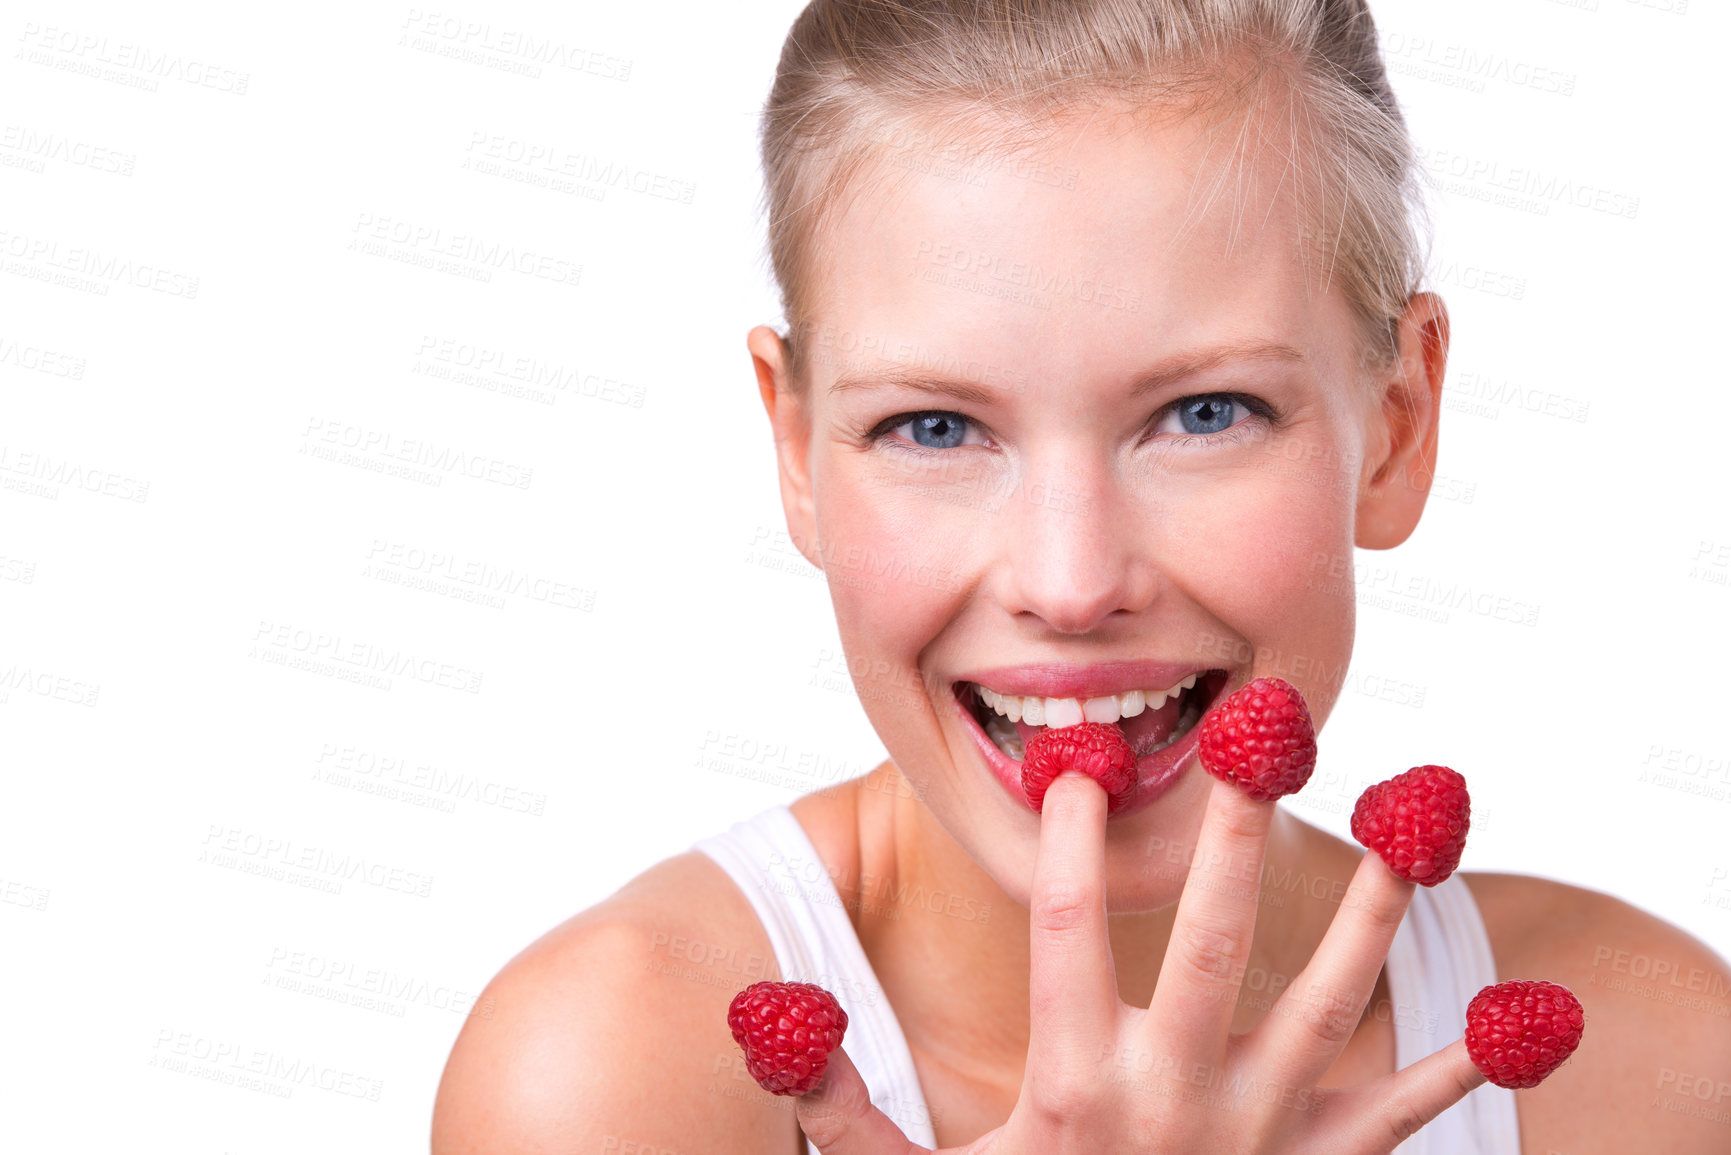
point(1072, 799)
point(1236, 815)
point(837, 1115)
point(837, 1099)
point(1451, 1073)
point(1380, 878)
point(1399, 1104)
point(1243, 797)
point(840, 1088)
point(1383, 907)
point(1075, 785)
point(1229, 793)
point(1466, 1071)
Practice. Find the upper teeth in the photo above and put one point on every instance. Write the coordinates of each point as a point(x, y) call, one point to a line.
point(1070, 711)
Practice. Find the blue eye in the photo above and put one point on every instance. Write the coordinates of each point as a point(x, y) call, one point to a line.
point(1203, 414)
point(936, 429)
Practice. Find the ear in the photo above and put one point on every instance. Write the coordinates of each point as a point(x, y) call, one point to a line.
point(1401, 453)
point(789, 420)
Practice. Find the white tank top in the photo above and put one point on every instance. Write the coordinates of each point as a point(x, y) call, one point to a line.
point(1440, 959)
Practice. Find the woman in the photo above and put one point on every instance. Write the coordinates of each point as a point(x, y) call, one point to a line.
point(1105, 346)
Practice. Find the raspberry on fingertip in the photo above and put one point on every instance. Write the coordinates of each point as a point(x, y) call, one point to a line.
point(1416, 822)
point(1519, 1031)
point(1097, 749)
point(1260, 739)
point(787, 1031)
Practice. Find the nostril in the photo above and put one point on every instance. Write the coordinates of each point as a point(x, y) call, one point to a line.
point(1081, 598)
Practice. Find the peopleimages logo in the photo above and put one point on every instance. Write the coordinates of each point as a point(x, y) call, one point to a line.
point(47, 473)
point(538, 162)
point(43, 254)
point(225, 845)
point(94, 55)
point(424, 244)
point(280, 641)
point(506, 48)
point(384, 445)
point(943, 259)
point(255, 1068)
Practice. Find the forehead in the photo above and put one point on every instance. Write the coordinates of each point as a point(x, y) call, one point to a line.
point(1099, 249)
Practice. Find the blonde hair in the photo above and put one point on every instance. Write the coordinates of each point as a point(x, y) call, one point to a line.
point(858, 79)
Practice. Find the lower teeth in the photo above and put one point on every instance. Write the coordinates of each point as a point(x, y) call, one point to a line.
point(1003, 734)
point(1186, 719)
point(1008, 739)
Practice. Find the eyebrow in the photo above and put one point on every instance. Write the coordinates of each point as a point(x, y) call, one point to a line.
point(1173, 369)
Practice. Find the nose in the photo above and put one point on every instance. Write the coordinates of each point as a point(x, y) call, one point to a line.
point(1073, 554)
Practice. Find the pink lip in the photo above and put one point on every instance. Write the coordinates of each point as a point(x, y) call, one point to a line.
point(1055, 680)
point(1156, 773)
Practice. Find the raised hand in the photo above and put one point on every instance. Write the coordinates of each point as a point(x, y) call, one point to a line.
point(1105, 1076)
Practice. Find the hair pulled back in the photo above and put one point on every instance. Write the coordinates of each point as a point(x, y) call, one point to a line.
point(860, 80)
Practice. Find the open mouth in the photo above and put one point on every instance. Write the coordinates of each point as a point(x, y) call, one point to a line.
point(1151, 720)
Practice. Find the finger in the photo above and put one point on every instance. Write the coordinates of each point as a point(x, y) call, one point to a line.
point(838, 1117)
point(1073, 991)
point(1379, 1115)
point(1205, 959)
point(1310, 1023)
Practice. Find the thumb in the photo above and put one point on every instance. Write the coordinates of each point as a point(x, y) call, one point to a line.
point(838, 1117)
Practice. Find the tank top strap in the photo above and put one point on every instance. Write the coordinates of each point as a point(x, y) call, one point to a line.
point(773, 862)
point(1440, 958)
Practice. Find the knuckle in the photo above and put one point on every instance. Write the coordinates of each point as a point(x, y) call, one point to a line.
point(824, 1129)
point(1330, 1014)
point(1211, 952)
point(1383, 913)
point(1063, 909)
point(1064, 1098)
point(1404, 1120)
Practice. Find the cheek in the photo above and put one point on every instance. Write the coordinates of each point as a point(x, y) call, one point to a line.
point(1263, 559)
point(894, 567)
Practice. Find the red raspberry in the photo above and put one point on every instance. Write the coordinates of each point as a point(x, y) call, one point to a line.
point(1260, 739)
point(1520, 1031)
point(787, 1031)
point(1097, 749)
point(1417, 822)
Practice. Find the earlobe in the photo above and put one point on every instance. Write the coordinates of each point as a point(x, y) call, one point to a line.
point(791, 427)
point(1398, 481)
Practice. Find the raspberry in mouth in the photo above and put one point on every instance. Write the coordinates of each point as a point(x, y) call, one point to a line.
point(1150, 720)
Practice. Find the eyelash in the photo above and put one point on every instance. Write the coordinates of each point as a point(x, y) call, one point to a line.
point(1258, 407)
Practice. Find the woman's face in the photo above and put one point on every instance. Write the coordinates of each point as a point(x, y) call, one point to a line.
point(1068, 436)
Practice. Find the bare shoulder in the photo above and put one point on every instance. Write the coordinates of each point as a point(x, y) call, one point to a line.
point(609, 1033)
point(1653, 1072)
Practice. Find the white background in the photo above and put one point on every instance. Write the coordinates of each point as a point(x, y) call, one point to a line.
point(172, 544)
